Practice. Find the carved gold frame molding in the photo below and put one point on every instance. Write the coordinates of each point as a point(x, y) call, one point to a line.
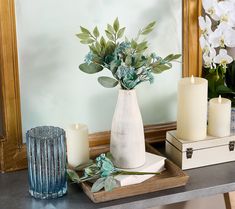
point(12, 149)
point(192, 55)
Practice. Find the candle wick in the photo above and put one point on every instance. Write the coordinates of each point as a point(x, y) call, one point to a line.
point(192, 79)
point(220, 99)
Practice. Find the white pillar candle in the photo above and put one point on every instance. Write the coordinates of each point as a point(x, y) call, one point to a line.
point(77, 144)
point(192, 109)
point(219, 117)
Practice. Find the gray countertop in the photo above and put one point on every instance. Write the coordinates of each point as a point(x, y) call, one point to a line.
point(203, 182)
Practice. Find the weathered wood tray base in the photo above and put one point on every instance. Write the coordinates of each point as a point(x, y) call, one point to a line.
point(172, 177)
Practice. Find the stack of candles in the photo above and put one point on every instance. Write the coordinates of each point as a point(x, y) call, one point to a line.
point(192, 111)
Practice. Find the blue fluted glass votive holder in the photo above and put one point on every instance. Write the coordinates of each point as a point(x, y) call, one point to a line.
point(46, 152)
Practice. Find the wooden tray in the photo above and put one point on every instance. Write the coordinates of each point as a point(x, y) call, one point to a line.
point(172, 177)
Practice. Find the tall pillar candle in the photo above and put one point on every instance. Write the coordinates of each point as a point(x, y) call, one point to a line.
point(219, 117)
point(192, 109)
point(77, 144)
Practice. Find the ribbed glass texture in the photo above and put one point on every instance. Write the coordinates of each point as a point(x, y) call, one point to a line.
point(46, 152)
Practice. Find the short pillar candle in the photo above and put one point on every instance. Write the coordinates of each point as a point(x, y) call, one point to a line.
point(192, 109)
point(77, 144)
point(219, 117)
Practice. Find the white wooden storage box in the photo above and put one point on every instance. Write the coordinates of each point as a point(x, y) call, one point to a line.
point(194, 154)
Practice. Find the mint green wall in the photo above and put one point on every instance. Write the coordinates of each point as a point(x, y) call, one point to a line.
point(55, 92)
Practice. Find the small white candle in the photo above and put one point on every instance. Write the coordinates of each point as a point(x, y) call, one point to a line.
point(77, 144)
point(192, 109)
point(219, 117)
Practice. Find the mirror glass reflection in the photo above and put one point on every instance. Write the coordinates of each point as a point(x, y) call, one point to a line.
point(53, 90)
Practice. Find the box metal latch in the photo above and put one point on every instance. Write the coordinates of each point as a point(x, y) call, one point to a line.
point(231, 145)
point(189, 153)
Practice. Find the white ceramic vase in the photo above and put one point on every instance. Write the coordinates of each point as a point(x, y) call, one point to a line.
point(127, 134)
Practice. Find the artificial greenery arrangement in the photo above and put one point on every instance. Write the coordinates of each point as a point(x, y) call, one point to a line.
point(217, 39)
point(127, 60)
point(101, 172)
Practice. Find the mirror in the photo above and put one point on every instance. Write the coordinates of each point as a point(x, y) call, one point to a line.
point(53, 90)
point(36, 47)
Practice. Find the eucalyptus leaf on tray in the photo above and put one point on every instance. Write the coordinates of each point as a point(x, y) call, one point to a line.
point(101, 172)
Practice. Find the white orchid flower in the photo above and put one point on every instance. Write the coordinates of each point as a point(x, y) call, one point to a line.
point(223, 58)
point(224, 10)
point(223, 36)
point(232, 13)
point(205, 25)
point(208, 58)
point(210, 8)
point(204, 44)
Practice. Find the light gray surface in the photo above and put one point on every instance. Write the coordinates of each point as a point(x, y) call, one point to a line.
point(203, 182)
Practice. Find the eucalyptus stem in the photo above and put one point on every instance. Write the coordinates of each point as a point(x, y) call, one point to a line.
point(115, 38)
point(89, 178)
point(93, 36)
point(176, 61)
point(99, 64)
point(138, 35)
